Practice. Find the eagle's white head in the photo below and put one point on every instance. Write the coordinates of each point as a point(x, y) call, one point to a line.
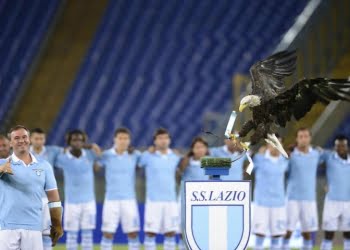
point(249, 101)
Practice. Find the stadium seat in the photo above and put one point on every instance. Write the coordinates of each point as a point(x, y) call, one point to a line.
point(23, 28)
point(166, 63)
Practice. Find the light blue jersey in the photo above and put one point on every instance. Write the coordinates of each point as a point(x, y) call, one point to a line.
point(194, 172)
point(49, 153)
point(338, 177)
point(302, 175)
point(269, 180)
point(236, 170)
point(21, 194)
point(160, 175)
point(120, 174)
point(78, 176)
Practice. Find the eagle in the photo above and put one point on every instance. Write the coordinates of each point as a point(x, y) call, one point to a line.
point(273, 104)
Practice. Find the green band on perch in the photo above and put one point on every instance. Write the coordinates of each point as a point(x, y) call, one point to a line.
point(216, 162)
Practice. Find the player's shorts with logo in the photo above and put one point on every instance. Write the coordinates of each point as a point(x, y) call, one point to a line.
point(336, 216)
point(120, 211)
point(161, 217)
point(304, 212)
point(80, 216)
point(269, 219)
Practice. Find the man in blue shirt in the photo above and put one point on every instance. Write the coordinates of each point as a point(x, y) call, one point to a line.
point(301, 189)
point(231, 150)
point(40, 150)
point(269, 197)
point(23, 180)
point(120, 203)
point(336, 212)
point(80, 206)
point(161, 211)
point(47, 153)
point(5, 149)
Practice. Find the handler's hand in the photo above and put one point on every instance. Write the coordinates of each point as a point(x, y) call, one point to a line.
point(6, 168)
point(56, 233)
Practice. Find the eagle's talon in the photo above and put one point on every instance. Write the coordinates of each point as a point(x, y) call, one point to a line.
point(245, 145)
point(235, 139)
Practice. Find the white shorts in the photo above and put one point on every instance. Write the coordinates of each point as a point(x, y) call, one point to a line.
point(179, 230)
point(336, 216)
point(124, 211)
point(46, 216)
point(80, 216)
point(304, 212)
point(269, 220)
point(161, 217)
point(21, 239)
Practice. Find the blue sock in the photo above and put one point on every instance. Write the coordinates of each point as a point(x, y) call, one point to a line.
point(150, 243)
point(346, 244)
point(275, 242)
point(106, 244)
point(72, 240)
point(134, 243)
point(47, 242)
point(86, 239)
point(181, 244)
point(169, 243)
point(326, 244)
point(307, 244)
point(259, 242)
point(285, 243)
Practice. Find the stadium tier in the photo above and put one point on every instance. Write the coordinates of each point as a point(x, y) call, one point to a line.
point(166, 63)
point(24, 25)
point(343, 128)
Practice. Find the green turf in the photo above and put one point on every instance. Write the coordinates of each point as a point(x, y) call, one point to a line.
point(125, 247)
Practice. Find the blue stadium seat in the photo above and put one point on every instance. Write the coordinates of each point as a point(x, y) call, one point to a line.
point(23, 27)
point(166, 63)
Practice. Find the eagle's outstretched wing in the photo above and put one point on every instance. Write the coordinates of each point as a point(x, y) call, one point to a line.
point(267, 75)
point(299, 99)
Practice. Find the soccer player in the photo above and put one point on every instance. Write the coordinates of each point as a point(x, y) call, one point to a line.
point(80, 206)
point(336, 212)
point(233, 151)
point(5, 149)
point(161, 208)
point(269, 197)
point(301, 189)
point(23, 179)
point(39, 149)
point(190, 169)
point(48, 153)
point(120, 203)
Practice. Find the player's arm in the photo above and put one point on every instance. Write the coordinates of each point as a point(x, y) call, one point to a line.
point(95, 148)
point(55, 206)
point(181, 168)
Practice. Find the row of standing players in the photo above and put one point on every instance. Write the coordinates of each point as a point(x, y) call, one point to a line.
point(272, 213)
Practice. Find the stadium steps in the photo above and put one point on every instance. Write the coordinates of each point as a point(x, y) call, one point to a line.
point(328, 124)
point(322, 51)
point(59, 64)
point(337, 121)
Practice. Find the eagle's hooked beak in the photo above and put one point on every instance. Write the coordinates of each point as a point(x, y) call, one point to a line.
point(242, 107)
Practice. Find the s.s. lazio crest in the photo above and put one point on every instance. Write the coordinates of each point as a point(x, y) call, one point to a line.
point(216, 214)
